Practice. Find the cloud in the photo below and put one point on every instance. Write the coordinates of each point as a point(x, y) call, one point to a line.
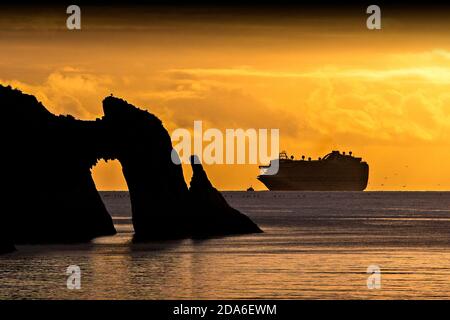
point(356, 105)
point(69, 91)
point(434, 74)
point(379, 117)
point(181, 101)
point(401, 105)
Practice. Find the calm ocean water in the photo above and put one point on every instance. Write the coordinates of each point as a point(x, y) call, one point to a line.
point(316, 245)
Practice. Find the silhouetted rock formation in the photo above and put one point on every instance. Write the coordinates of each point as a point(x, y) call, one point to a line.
point(6, 244)
point(213, 215)
point(158, 193)
point(6, 248)
point(6, 240)
point(162, 205)
point(50, 193)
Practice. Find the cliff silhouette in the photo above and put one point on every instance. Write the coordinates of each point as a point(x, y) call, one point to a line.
point(50, 195)
point(211, 211)
point(6, 244)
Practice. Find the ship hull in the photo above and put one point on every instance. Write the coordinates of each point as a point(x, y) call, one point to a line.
point(310, 176)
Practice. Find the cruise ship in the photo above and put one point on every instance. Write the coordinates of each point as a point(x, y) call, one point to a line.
point(334, 172)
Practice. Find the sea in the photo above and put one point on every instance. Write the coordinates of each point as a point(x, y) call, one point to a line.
point(315, 245)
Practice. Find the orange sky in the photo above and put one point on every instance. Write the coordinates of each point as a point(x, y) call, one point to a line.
point(324, 80)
